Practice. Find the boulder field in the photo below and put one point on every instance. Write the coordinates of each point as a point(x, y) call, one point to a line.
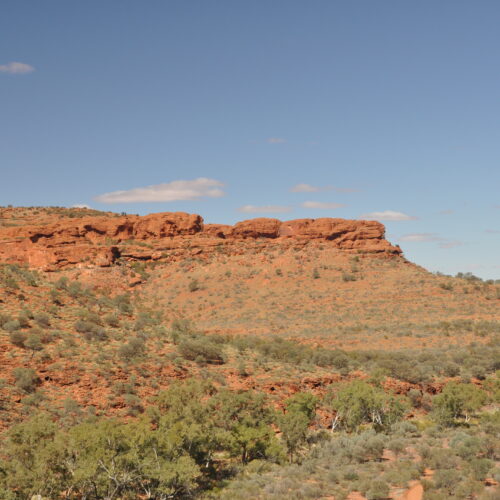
point(101, 240)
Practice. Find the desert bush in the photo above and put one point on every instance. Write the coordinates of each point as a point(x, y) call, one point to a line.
point(123, 303)
point(134, 348)
point(42, 320)
point(112, 320)
point(194, 285)
point(348, 277)
point(480, 467)
point(4, 318)
point(181, 328)
point(17, 338)
point(201, 349)
point(90, 330)
point(12, 325)
point(24, 319)
point(61, 283)
point(26, 378)
point(33, 342)
point(378, 490)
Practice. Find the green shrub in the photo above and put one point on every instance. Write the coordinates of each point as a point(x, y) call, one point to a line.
point(134, 348)
point(112, 320)
point(90, 330)
point(42, 319)
point(26, 379)
point(24, 320)
point(378, 490)
point(33, 342)
point(12, 326)
point(201, 349)
point(4, 318)
point(17, 338)
point(457, 401)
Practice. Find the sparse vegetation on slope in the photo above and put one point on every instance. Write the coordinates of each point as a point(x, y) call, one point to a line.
point(271, 377)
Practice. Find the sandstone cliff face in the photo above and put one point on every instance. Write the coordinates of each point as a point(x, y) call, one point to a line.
point(101, 240)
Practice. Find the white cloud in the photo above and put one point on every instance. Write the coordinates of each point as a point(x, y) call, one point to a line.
point(169, 191)
point(80, 206)
point(450, 243)
point(389, 215)
point(264, 209)
point(275, 140)
point(305, 188)
point(430, 237)
point(420, 237)
point(322, 205)
point(16, 68)
point(308, 188)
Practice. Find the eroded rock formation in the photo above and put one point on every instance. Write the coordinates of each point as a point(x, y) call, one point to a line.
point(101, 240)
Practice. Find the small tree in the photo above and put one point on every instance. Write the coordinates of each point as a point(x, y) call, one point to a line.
point(300, 411)
point(359, 402)
point(294, 426)
point(457, 401)
point(34, 343)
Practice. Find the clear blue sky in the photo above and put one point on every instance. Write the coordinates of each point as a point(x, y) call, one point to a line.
point(388, 108)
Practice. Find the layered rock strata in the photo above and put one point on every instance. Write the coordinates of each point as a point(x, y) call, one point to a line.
point(102, 240)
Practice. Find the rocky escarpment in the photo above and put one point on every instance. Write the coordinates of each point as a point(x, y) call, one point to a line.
point(101, 240)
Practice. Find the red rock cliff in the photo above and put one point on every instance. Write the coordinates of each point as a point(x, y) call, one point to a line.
point(101, 240)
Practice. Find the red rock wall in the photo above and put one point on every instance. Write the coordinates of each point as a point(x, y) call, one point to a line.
point(100, 240)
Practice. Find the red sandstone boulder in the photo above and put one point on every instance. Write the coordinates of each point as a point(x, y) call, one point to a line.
point(217, 230)
point(167, 224)
point(257, 228)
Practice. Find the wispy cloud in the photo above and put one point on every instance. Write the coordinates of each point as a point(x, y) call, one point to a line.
point(16, 68)
point(305, 188)
point(275, 140)
point(170, 191)
point(264, 209)
point(308, 188)
point(322, 205)
point(492, 231)
point(431, 238)
point(446, 212)
point(450, 243)
point(389, 215)
point(420, 237)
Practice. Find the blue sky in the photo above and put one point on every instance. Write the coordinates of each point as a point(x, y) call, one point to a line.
point(387, 109)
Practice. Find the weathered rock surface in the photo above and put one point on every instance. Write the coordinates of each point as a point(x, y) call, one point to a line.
point(101, 240)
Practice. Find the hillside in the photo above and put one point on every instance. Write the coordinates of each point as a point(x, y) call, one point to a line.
point(101, 313)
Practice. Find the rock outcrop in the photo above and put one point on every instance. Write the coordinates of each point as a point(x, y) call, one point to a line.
point(101, 240)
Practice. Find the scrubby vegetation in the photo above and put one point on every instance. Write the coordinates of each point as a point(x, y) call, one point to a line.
point(200, 440)
point(109, 392)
